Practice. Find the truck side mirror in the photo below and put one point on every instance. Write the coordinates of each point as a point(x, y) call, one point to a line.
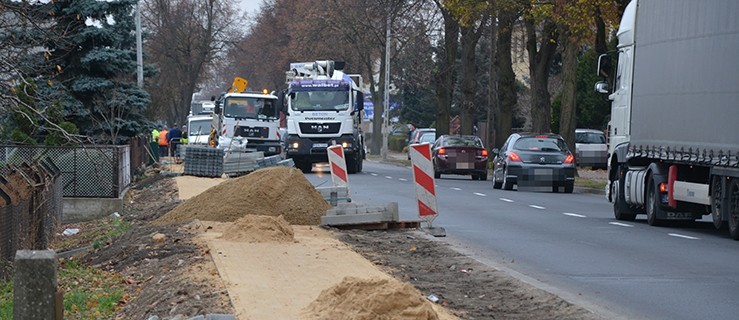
point(217, 109)
point(601, 87)
point(212, 98)
point(360, 100)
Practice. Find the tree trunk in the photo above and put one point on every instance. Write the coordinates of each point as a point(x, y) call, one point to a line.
point(493, 105)
point(567, 119)
point(446, 74)
point(470, 37)
point(377, 96)
point(540, 60)
point(506, 78)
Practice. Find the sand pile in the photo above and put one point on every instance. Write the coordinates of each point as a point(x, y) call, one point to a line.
point(360, 299)
point(271, 191)
point(253, 228)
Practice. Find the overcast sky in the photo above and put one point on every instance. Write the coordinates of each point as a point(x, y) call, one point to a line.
point(250, 6)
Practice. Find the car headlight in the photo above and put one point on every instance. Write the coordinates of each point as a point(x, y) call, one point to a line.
point(346, 144)
point(295, 145)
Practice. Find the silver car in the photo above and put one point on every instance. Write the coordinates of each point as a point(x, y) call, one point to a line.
point(591, 148)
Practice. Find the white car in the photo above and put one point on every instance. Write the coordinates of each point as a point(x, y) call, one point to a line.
point(591, 148)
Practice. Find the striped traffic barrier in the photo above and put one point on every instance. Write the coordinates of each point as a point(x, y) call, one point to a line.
point(337, 162)
point(423, 178)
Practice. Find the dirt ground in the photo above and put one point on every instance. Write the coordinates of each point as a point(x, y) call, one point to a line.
point(186, 269)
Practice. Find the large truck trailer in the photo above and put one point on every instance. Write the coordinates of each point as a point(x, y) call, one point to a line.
point(674, 129)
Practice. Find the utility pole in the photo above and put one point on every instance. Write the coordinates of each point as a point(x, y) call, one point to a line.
point(139, 54)
point(386, 96)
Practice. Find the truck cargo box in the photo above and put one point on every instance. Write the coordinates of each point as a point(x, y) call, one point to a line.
point(686, 77)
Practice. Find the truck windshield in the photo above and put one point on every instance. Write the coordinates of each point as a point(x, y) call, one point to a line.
point(199, 127)
point(249, 107)
point(319, 101)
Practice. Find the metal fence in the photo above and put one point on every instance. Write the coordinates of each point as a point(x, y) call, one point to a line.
point(93, 171)
point(30, 208)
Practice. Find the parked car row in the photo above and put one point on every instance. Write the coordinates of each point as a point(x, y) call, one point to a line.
point(525, 159)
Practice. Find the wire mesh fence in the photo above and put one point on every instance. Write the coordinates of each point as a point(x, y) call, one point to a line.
point(30, 208)
point(86, 171)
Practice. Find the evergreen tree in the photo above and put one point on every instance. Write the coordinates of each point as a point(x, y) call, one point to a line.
point(85, 72)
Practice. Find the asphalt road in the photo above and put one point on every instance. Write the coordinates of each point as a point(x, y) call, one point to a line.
point(569, 244)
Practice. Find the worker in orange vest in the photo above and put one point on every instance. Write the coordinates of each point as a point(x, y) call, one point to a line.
point(163, 144)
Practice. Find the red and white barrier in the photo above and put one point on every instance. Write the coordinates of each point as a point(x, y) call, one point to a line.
point(423, 178)
point(337, 161)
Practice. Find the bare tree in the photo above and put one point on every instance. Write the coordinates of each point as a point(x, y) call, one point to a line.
point(186, 36)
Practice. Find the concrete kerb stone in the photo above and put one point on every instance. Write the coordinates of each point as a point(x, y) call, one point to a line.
point(35, 285)
point(353, 213)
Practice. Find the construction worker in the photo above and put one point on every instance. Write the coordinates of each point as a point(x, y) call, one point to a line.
point(154, 135)
point(163, 144)
point(173, 138)
point(184, 134)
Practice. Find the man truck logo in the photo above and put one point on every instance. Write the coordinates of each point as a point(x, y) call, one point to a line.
point(319, 127)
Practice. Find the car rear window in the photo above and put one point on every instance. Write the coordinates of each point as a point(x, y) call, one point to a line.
point(462, 142)
point(590, 138)
point(540, 144)
point(429, 137)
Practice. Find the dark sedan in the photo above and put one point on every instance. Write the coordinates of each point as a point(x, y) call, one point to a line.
point(465, 155)
point(534, 160)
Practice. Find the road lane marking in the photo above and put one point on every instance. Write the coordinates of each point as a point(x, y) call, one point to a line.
point(620, 224)
point(402, 179)
point(536, 207)
point(374, 174)
point(458, 189)
point(682, 236)
point(573, 215)
point(480, 194)
point(506, 200)
point(388, 177)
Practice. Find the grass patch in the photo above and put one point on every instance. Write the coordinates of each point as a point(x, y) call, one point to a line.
point(581, 182)
point(89, 293)
point(98, 233)
point(6, 299)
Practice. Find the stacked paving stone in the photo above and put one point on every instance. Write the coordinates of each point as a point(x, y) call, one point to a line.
point(269, 161)
point(240, 163)
point(204, 162)
point(346, 214)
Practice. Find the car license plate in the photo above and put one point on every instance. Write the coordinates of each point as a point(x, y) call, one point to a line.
point(320, 145)
point(464, 165)
point(542, 172)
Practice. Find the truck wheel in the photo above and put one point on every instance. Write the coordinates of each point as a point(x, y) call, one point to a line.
point(484, 176)
point(733, 209)
point(717, 199)
point(352, 164)
point(619, 203)
point(652, 204)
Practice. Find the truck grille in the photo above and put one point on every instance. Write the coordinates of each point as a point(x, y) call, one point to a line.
point(313, 128)
point(251, 132)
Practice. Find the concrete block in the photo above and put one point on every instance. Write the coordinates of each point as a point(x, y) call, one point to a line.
point(35, 285)
point(352, 219)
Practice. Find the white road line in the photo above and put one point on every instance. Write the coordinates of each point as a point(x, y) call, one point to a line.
point(402, 179)
point(458, 189)
point(374, 174)
point(536, 207)
point(480, 194)
point(620, 224)
point(573, 215)
point(506, 200)
point(388, 177)
point(682, 236)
